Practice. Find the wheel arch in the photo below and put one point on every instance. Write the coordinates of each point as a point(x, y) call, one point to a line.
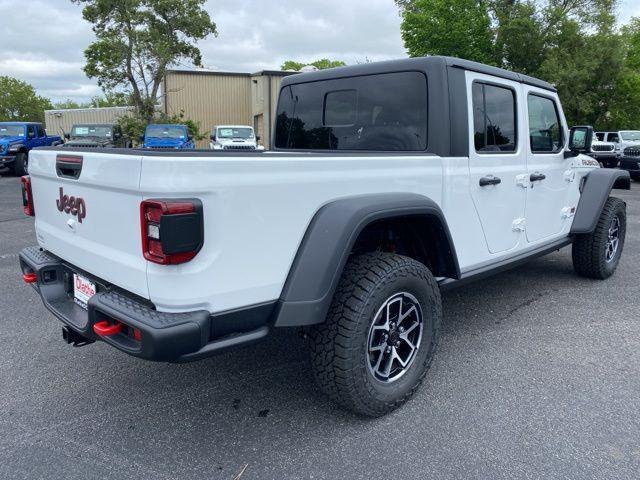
point(594, 191)
point(330, 239)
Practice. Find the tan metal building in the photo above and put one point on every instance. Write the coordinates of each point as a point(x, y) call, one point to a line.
point(208, 97)
point(58, 122)
point(218, 98)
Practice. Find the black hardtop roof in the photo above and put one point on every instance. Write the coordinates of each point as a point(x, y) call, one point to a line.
point(416, 63)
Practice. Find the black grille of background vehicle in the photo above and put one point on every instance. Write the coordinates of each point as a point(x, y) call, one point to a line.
point(632, 152)
point(239, 147)
point(602, 148)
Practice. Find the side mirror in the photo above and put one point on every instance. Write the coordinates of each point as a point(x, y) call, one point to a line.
point(258, 138)
point(213, 137)
point(142, 138)
point(580, 139)
point(67, 136)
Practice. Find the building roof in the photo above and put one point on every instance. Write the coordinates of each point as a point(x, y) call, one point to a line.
point(203, 71)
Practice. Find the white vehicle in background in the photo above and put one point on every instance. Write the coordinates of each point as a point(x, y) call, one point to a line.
point(234, 137)
point(630, 152)
point(604, 150)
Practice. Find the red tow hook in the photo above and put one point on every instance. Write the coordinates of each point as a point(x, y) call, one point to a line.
point(105, 329)
point(30, 277)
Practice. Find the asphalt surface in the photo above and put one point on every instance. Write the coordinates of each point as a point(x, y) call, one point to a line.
point(537, 376)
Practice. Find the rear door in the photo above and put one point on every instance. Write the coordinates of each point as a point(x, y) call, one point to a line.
point(550, 175)
point(92, 221)
point(496, 159)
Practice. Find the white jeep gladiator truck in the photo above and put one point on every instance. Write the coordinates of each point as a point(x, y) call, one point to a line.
point(389, 183)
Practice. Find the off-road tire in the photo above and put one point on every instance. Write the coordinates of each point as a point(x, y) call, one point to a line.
point(339, 347)
point(20, 166)
point(589, 250)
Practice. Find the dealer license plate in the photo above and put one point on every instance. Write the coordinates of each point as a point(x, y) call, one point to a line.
point(83, 290)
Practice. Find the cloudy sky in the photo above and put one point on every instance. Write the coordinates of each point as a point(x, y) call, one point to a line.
point(47, 51)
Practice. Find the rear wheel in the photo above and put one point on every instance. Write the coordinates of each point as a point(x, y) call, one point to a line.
point(21, 164)
point(380, 336)
point(596, 255)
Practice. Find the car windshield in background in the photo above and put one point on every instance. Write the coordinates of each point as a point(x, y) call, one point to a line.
point(235, 133)
point(11, 130)
point(631, 136)
point(163, 131)
point(90, 131)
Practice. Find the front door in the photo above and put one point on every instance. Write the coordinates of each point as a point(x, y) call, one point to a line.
point(550, 174)
point(497, 160)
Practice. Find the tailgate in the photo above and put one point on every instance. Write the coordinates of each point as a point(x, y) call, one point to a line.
point(92, 222)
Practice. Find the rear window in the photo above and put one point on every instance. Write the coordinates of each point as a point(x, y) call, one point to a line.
point(385, 112)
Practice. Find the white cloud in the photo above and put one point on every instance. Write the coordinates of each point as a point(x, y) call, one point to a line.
point(47, 50)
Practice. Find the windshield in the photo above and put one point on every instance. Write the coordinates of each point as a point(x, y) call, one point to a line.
point(11, 130)
point(630, 136)
point(91, 131)
point(228, 132)
point(166, 131)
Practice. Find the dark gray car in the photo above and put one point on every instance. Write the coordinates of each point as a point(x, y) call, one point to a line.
point(106, 135)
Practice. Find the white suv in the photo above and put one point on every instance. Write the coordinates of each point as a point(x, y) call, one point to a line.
point(234, 137)
point(389, 182)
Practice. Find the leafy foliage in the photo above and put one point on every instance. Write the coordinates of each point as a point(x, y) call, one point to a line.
point(458, 28)
point(19, 102)
point(321, 64)
point(573, 44)
point(133, 126)
point(117, 99)
point(137, 40)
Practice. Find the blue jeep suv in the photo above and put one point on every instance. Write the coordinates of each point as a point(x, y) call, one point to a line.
point(163, 136)
point(17, 139)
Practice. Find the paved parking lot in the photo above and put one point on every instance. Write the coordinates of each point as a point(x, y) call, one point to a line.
point(538, 376)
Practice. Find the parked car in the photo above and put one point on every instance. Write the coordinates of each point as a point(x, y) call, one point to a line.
point(382, 190)
point(630, 152)
point(16, 141)
point(234, 137)
point(106, 135)
point(172, 137)
point(604, 151)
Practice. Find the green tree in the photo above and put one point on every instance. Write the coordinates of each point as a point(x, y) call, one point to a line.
point(460, 28)
point(321, 64)
point(108, 100)
point(19, 101)
point(137, 40)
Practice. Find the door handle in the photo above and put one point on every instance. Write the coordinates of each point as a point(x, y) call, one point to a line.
point(489, 180)
point(536, 177)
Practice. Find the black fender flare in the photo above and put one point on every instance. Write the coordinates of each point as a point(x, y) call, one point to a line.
point(594, 192)
point(327, 243)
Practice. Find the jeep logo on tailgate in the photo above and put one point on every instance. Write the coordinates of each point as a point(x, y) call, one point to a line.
point(73, 205)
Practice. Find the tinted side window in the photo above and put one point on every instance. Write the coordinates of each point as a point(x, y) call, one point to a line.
point(31, 131)
point(385, 112)
point(600, 136)
point(613, 137)
point(494, 118)
point(545, 130)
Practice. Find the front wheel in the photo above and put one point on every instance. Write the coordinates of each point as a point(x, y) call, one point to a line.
point(597, 254)
point(21, 164)
point(380, 336)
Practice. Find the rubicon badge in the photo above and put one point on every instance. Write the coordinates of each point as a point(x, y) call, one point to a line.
point(72, 205)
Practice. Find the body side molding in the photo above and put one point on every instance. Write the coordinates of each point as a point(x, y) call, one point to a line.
point(328, 241)
point(594, 193)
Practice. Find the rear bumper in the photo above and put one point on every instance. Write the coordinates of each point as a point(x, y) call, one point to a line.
point(145, 332)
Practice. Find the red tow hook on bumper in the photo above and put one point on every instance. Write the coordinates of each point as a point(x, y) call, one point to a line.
point(105, 329)
point(30, 277)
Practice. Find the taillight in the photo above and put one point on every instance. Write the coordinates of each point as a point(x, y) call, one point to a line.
point(27, 196)
point(172, 230)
